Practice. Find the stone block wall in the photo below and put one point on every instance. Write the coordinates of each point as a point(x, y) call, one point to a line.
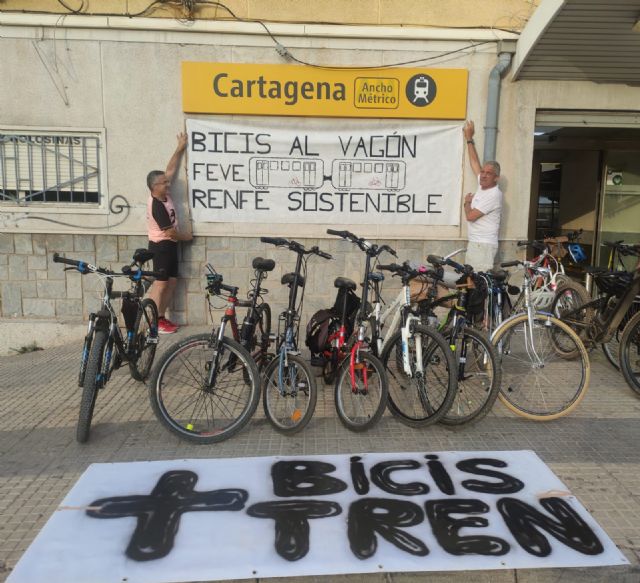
point(32, 286)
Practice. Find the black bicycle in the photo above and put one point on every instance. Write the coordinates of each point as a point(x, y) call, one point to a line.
point(105, 348)
point(290, 391)
point(206, 387)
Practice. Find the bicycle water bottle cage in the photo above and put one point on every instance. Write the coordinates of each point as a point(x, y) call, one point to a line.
point(289, 278)
point(576, 252)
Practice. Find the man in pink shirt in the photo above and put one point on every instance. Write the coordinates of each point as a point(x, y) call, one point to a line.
point(483, 209)
point(162, 227)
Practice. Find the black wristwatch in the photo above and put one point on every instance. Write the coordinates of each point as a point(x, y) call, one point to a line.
point(470, 142)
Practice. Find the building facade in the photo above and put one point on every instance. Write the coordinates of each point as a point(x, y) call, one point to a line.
point(94, 100)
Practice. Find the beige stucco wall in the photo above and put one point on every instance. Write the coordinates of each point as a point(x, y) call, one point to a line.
point(506, 14)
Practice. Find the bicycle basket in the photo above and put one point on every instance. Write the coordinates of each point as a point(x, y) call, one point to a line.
point(556, 246)
point(422, 288)
point(613, 282)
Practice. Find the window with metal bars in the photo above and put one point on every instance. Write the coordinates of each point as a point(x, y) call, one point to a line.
point(49, 167)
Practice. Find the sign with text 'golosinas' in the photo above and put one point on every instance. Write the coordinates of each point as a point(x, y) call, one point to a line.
point(217, 519)
point(230, 88)
point(320, 172)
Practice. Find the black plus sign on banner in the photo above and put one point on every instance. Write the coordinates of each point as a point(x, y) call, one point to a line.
point(159, 512)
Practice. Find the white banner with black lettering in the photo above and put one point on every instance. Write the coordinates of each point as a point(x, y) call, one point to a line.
point(287, 170)
point(202, 520)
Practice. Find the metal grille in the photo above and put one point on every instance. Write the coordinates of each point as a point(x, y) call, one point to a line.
point(49, 167)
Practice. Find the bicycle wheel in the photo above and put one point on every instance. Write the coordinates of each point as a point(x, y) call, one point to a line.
point(289, 403)
point(92, 379)
point(422, 398)
point(567, 306)
point(611, 349)
point(145, 340)
point(630, 353)
point(539, 381)
point(361, 403)
point(478, 379)
point(184, 404)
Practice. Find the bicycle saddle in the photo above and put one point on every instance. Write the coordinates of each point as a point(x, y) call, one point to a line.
point(142, 255)
point(263, 264)
point(344, 282)
point(288, 279)
point(498, 275)
point(376, 276)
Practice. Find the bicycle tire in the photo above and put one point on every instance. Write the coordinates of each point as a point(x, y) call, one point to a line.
point(359, 411)
point(569, 297)
point(418, 402)
point(145, 340)
point(611, 349)
point(478, 391)
point(90, 385)
point(180, 401)
point(630, 354)
point(536, 390)
point(289, 412)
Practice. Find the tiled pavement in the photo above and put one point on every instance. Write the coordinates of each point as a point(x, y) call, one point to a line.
point(595, 451)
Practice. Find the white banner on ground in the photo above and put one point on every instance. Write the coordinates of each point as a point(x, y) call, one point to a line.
point(325, 171)
point(202, 520)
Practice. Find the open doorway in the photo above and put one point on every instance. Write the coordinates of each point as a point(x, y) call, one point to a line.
point(586, 178)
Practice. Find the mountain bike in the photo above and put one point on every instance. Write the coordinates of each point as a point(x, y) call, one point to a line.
point(206, 387)
point(545, 365)
point(618, 250)
point(105, 349)
point(476, 363)
point(599, 320)
point(290, 391)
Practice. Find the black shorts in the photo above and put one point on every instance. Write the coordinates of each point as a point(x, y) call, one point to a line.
point(165, 256)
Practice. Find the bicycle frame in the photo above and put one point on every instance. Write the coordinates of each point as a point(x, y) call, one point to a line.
point(600, 330)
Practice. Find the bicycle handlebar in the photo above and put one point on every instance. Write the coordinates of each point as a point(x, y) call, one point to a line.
point(295, 246)
point(363, 244)
point(82, 266)
point(514, 263)
point(278, 241)
point(139, 273)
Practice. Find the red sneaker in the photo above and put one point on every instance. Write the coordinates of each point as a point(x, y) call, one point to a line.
point(171, 323)
point(166, 327)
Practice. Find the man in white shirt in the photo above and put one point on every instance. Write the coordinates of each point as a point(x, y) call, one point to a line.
point(482, 209)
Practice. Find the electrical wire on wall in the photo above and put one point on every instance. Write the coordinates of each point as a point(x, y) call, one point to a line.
point(189, 9)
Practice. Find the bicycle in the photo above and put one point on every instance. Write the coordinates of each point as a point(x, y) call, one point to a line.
point(476, 363)
point(600, 320)
point(103, 335)
point(255, 331)
point(549, 275)
point(290, 391)
point(619, 250)
point(206, 388)
point(423, 388)
point(545, 365)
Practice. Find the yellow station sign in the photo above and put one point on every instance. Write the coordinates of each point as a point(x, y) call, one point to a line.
point(308, 91)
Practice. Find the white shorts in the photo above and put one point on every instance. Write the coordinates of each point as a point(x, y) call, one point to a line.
point(481, 256)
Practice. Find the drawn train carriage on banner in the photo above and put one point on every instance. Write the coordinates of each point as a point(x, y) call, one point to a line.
point(308, 174)
point(368, 175)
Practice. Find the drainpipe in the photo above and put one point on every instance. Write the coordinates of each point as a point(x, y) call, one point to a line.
point(493, 105)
